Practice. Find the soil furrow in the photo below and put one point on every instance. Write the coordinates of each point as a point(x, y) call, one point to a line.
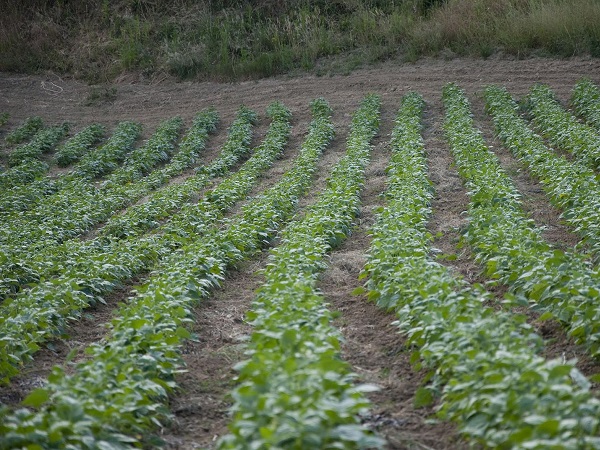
point(201, 408)
point(535, 202)
point(450, 202)
point(372, 345)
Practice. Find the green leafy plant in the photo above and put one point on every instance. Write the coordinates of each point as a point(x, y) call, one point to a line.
point(483, 362)
point(141, 218)
point(585, 99)
point(561, 128)
point(556, 281)
point(92, 165)
point(23, 174)
point(30, 126)
point(294, 391)
point(84, 272)
point(72, 150)
point(24, 162)
point(42, 142)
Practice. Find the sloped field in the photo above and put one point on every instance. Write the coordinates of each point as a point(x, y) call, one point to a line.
point(330, 265)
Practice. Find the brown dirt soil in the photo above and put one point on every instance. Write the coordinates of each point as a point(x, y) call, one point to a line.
point(373, 348)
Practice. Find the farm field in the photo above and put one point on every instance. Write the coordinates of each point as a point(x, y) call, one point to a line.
point(333, 264)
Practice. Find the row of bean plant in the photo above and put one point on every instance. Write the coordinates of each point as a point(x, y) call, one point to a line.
point(72, 150)
point(53, 260)
point(483, 362)
point(42, 142)
point(561, 128)
point(504, 240)
point(109, 156)
point(23, 197)
point(30, 126)
point(143, 160)
point(294, 390)
point(25, 164)
point(164, 202)
point(570, 185)
point(585, 100)
point(33, 316)
point(21, 175)
point(114, 397)
point(72, 211)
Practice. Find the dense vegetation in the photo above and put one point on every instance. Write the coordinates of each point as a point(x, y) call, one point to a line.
point(232, 39)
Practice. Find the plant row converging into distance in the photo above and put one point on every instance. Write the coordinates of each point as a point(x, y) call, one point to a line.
point(484, 360)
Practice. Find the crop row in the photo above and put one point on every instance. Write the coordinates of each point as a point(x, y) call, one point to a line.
point(559, 282)
point(76, 192)
point(72, 150)
point(92, 166)
point(54, 260)
point(164, 202)
point(108, 157)
point(42, 142)
point(23, 196)
point(294, 391)
point(121, 390)
point(24, 161)
point(30, 126)
point(22, 174)
point(34, 315)
point(483, 361)
point(570, 185)
point(74, 210)
point(585, 99)
point(561, 128)
point(506, 241)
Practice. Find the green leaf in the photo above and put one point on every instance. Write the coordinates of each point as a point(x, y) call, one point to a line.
point(415, 357)
point(359, 291)
point(138, 323)
point(265, 433)
point(37, 398)
point(423, 397)
point(183, 333)
point(560, 371)
point(550, 426)
point(595, 378)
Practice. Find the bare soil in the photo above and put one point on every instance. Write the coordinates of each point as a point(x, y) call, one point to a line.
point(372, 346)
